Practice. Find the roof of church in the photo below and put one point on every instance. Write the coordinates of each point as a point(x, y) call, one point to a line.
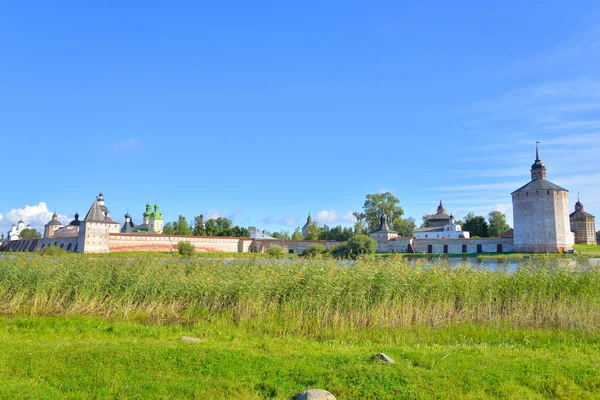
point(98, 212)
point(539, 184)
point(581, 213)
point(76, 221)
point(430, 229)
point(383, 226)
point(95, 213)
point(261, 235)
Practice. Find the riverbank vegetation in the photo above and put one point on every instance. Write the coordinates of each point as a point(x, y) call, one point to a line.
point(301, 292)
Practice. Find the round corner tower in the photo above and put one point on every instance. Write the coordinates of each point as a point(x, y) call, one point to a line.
point(541, 214)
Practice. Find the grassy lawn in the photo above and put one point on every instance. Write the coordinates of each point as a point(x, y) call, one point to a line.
point(86, 357)
point(587, 249)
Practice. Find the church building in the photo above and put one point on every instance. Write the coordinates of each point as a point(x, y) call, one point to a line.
point(153, 222)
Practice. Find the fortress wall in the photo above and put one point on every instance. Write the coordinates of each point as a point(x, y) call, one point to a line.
point(488, 245)
point(30, 245)
point(289, 246)
point(395, 246)
point(148, 242)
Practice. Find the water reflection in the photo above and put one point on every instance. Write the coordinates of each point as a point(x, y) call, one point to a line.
point(511, 264)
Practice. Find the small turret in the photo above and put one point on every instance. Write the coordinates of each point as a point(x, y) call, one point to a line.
point(441, 208)
point(147, 213)
point(538, 169)
point(100, 199)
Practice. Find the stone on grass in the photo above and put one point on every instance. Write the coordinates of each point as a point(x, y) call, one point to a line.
point(314, 394)
point(382, 357)
point(190, 339)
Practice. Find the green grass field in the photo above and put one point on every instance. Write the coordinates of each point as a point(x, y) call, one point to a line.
point(109, 327)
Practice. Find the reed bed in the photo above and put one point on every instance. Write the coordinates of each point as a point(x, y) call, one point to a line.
point(300, 294)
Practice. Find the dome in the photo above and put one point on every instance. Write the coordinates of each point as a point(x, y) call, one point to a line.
point(538, 165)
point(441, 208)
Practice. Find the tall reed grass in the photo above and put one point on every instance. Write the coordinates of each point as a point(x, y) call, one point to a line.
point(301, 293)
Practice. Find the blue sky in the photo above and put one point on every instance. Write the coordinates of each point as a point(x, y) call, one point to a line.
point(262, 111)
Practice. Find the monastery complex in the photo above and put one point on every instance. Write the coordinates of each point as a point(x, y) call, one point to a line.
point(541, 221)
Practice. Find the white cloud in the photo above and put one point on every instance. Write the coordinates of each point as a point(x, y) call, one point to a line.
point(121, 146)
point(238, 210)
point(287, 221)
point(268, 220)
point(333, 217)
point(212, 214)
point(37, 216)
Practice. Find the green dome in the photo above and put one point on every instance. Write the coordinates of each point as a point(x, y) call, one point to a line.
point(156, 215)
point(148, 212)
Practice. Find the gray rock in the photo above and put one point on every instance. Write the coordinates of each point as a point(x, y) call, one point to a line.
point(190, 339)
point(383, 358)
point(314, 394)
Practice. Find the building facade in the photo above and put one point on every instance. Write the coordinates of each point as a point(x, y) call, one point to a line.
point(449, 231)
point(541, 214)
point(583, 225)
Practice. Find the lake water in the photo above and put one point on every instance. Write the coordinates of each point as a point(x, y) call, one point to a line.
point(511, 264)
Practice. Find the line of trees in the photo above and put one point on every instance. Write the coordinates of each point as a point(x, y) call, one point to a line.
point(478, 226)
point(367, 221)
point(213, 227)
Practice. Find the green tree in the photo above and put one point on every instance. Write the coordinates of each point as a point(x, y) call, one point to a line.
point(218, 227)
point(186, 249)
point(360, 228)
point(361, 245)
point(275, 251)
point(29, 233)
point(297, 235)
point(476, 225)
point(239, 231)
point(404, 227)
point(199, 226)
point(181, 227)
point(498, 225)
point(383, 203)
point(285, 235)
point(312, 232)
point(314, 250)
point(168, 229)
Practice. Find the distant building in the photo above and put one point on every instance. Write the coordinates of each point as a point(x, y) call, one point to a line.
point(16, 230)
point(449, 231)
point(52, 226)
point(583, 225)
point(153, 222)
point(439, 219)
point(383, 234)
point(306, 225)
point(541, 214)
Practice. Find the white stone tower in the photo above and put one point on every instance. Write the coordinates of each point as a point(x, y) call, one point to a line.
point(541, 214)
